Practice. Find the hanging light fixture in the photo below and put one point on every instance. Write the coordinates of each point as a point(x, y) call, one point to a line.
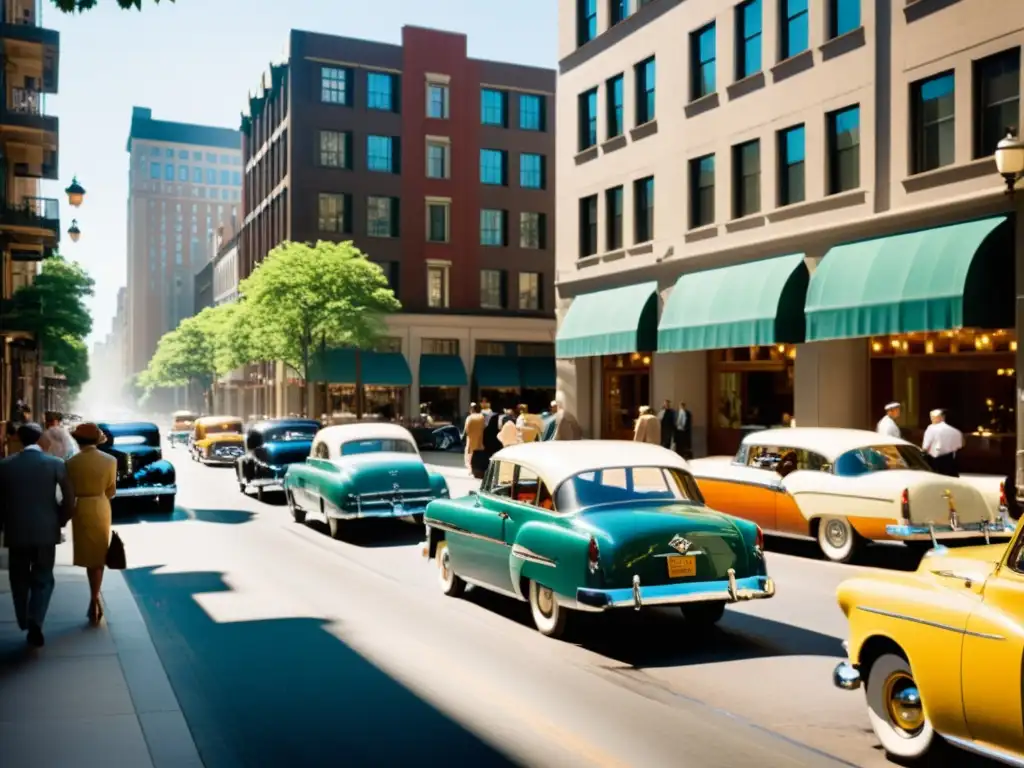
point(1009, 156)
point(73, 231)
point(75, 193)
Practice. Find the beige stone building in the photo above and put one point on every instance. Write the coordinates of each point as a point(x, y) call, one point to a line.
point(750, 206)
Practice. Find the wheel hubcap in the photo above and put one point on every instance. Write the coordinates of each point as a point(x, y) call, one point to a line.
point(835, 533)
point(545, 601)
point(903, 702)
point(446, 566)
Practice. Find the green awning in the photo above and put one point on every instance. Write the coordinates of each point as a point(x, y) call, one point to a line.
point(752, 304)
point(383, 369)
point(494, 372)
point(613, 322)
point(537, 372)
point(929, 280)
point(442, 371)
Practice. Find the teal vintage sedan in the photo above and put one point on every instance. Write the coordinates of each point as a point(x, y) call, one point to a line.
point(593, 525)
point(359, 471)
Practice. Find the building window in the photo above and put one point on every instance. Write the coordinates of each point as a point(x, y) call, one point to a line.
point(586, 21)
point(492, 227)
point(380, 91)
point(211, 175)
point(934, 116)
point(532, 228)
point(438, 218)
point(182, 173)
point(197, 175)
point(588, 226)
point(211, 157)
point(493, 167)
point(644, 72)
point(702, 53)
point(334, 149)
point(618, 11)
point(440, 347)
point(381, 154)
point(169, 172)
point(529, 291)
point(613, 218)
point(844, 150)
point(382, 216)
point(437, 286)
point(792, 143)
point(613, 89)
point(334, 85)
point(702, 191)
point(997, 99)
point(493, 107)
point(437, 101)
point(748, 38)
point(587, 115)
point(643, 211)
point(843, 17)
point(154, 170)
point(746, 164)
point(168, 152)
point(795, 28)
point(531, 171)
point(438, 159)
point(492, 293)
point(531, 112)
point(225, 178)
point(334, 210)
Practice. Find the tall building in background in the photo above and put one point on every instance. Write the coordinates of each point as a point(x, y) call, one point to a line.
point(184, 181)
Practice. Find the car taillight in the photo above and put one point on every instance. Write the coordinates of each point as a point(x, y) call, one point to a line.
point(905, 505)
point(759, 538)
point(593, 555)
point(1002, 494)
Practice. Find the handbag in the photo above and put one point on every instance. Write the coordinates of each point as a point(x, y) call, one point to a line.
point(116, 559)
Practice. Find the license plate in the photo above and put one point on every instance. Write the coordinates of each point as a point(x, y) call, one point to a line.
point(679, 566)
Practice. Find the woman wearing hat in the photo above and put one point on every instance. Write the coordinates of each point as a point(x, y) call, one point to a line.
point(94, 477)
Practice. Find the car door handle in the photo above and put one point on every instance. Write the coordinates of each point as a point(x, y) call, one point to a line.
point(503, 515)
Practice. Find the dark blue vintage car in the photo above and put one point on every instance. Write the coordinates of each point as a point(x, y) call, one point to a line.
point(142, 471)
point(270, 446)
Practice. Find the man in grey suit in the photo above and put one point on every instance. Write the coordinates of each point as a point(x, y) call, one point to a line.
point(31, 519)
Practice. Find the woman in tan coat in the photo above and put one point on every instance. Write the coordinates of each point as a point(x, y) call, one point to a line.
point(648, 428)
point(94, 477)
point(473, 433)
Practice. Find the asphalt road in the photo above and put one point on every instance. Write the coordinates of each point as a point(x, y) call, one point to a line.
point(286, 647)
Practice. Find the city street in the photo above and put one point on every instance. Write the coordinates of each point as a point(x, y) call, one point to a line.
point(284, 645)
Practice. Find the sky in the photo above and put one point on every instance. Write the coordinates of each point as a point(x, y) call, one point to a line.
point(195, 61)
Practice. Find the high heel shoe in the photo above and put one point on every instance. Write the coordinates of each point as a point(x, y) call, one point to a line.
point(94, 612)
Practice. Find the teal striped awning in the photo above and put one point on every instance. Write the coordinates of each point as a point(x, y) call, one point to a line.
point(537, 372)
point(494, 372)
point(380, 369)
point(442, 371)
point(612, 322)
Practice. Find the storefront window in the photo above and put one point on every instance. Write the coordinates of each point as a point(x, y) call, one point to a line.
point(751, 389)
point(391, 344)
point(441, 404)
point(491, 348)
point(626, 385)
point(535, 350)
point(384, 403)
point(440, 347)
point(341, 402)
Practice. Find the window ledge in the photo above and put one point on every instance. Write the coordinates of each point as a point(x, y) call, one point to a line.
point(950, 174)
point(703, 104)
point(823, 205)
point(846, 42)
point(644, 130)
point(794, 65)
point(639, 249)
point(746, 85)
point(703, 232)
point(743, 223)
point(588, 261)
point(619, 253)
point(614, 143)
point(918, 9)
point(586, 155)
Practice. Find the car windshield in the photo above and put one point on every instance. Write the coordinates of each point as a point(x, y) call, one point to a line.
point(129, 440)
point(289, 434)
point(618, 484)
point(877, 458)
point(377, 445)
point(221, 429)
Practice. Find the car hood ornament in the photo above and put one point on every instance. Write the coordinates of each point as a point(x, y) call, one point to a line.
point(680, 545)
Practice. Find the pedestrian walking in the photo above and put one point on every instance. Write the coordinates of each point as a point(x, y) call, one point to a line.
point(473, 433)
point(57, 440)
point(566, 425)
point(941, 442)
point(667, 417)
point(648, 427)
point(887, 424)
point(30, 520)
point(684, 431)
point(94, 478)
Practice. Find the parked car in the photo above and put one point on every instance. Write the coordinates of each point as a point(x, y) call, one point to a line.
point(592, 525)
point(142, 471)
point(181, 427)
point(939, 652)
point(217, 440)
point(362, 470)
point(844, 487)
point(270, 447)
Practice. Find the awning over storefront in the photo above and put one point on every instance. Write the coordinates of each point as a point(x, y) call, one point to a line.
point(537, 372)
point(494, 372)
point(442, 371)
point(382, 369)
point(613, 322)
point(752, 304)
point(929, 280)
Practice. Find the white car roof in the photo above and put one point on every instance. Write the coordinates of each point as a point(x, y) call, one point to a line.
point(382, 430)
point(555, 461)
point(830, 442)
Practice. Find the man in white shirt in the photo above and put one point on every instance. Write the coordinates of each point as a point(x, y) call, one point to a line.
point(887, 424)
point(941, 442)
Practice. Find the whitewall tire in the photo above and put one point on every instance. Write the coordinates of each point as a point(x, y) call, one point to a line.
point(451, 584)
point(298, 513)
point(895, 710)
point(548, 616)
point(837, 539)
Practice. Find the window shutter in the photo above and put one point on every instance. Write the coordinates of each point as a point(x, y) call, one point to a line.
point(543, 172)
point(347, 207)
point(504, 228)
point(540, 290)
point(504, 167)
point(396, 154)
point(396, 93)
point(396, 216)
point(542, 231)
point(504, 288)
point(349, 151)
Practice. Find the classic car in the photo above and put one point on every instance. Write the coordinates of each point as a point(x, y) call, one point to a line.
point(844, 487)
point(142, 471)
point(181, 427)
point(939, 652)
point(592, 525)
point(361, 470)
point(270, 446)
point(217, 440)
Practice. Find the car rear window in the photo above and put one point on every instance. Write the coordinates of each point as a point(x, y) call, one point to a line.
point(377, 445)
point(618, 484)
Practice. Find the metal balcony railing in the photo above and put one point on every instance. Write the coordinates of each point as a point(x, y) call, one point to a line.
point(24, 101)
point(42, 212)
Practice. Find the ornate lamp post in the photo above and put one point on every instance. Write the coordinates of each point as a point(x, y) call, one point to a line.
point(75, 193)
point(73, 231)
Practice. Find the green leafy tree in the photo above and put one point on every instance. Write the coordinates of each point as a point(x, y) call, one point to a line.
point(303, 296)
point(184, 357)
point(79, 6)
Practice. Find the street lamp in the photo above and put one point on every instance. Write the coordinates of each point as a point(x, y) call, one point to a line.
point(75, 193)
point(1010, 160)
point(73, 231)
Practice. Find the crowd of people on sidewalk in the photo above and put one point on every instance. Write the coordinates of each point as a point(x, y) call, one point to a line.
point(52, 476)
point(487, 431)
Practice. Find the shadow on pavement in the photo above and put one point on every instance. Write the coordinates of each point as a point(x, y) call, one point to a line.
point(286, 691)
point(375, 533)
point(894, 557)
point(129, 514)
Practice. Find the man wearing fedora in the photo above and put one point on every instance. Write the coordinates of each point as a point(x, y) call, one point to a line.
point(31, 519)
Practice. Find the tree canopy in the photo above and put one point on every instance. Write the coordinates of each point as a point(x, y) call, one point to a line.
point(73, 6)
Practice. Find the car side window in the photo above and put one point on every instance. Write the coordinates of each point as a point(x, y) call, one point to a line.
point(741, 455)
point(764, 456)
point(499, 480)
point(320, 451)
point(1016, 561)
point(530, 489)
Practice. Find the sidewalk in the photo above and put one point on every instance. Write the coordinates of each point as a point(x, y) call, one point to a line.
point(93, 696)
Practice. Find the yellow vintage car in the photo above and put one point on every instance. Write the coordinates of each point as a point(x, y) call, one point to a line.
point(217, 440)
point(940, 652)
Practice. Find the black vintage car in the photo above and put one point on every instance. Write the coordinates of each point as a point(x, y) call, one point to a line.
point(142, 471)
point(270, 446)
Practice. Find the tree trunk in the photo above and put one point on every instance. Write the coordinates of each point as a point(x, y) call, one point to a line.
point(360, 403)
point(323, 374)
point(305, 374)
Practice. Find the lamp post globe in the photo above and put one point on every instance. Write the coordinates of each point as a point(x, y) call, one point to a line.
point(73, 231)
point(1009, 157)
point(75, 193)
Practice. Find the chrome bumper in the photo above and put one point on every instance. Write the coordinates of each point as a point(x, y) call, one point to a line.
point(364, 514)
point(906, 532)
point(846, 676)
point(148, 490)
point(730, 591)
point(225, 461)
